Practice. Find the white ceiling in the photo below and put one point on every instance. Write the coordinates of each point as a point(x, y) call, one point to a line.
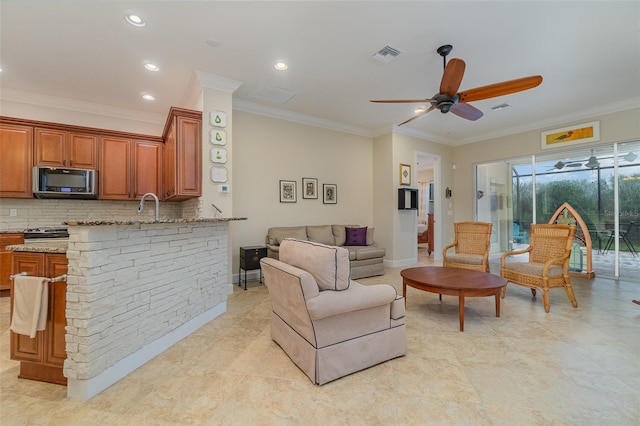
point(587, 52)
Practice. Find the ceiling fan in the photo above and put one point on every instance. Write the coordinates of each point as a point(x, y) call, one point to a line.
point(591, 162)
point(449, 99)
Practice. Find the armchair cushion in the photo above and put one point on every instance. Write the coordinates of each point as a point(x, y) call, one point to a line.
point(466, 258)
point(357, 297)
point(329, 265)
point(532, 268)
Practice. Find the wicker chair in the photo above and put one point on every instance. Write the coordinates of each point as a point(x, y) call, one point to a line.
point(472, 241)
point(548, 265)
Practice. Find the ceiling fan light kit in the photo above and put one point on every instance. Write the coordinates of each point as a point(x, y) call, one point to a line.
point(448, 99)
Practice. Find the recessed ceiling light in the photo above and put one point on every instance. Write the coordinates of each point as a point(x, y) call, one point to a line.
point(281, 66)
point(148, 97)
point(152, 67)
point(135, 20)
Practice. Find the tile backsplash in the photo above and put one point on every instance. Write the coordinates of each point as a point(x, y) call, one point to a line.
point(32, 213)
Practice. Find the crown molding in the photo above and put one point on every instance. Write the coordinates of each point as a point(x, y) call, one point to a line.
point(79, 106)
point(585, 114)
point(296, 117)
point(212, 81)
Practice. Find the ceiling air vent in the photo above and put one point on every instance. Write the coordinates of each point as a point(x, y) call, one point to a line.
point(386, 54)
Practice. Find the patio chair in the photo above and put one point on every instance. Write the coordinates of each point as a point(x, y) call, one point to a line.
point(472, 241)
point(519, 236)
point(624, 236)
point(548, 264)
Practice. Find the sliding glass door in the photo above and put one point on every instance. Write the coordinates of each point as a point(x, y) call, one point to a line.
point(601, 183)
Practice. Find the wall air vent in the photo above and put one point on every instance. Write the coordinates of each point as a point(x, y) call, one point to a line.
point(386, 54)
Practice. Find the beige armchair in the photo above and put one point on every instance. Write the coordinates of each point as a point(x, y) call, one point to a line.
point(472, 242)
point(548, 263)
point(327, 324)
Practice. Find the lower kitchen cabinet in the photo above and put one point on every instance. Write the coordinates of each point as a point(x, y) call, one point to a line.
point(42, 358)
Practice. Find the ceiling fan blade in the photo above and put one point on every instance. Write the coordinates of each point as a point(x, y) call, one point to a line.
point(500, 89)
point(420, 114)
point(467, 111)
point(452, 77)
point(400, 101)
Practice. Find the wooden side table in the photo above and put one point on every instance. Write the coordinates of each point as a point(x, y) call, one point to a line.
point(249, 260)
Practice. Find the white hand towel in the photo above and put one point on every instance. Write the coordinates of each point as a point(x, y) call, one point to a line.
point(30, 303)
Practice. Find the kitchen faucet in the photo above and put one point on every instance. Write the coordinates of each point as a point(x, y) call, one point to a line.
point(155, 197)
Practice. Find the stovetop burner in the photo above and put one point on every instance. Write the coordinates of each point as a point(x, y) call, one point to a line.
point(46, 233)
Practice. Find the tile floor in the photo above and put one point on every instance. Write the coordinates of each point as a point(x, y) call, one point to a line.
point(571, 366)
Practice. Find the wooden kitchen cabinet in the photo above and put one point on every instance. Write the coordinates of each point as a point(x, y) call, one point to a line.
point(59, 148)
point(182, 174)
point(16, 161)
point(42, 358)
point(147, 165)
point(5, 260)
point(129, 168)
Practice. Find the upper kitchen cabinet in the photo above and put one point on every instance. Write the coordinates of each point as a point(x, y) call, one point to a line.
point(182, 174)
point(129, 168)
point(16, 161)
point(59, 148)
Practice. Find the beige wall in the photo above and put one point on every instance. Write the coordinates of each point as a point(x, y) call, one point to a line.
point(615, 127)
point(384, 195)
point(267, 150)
point(406, 150)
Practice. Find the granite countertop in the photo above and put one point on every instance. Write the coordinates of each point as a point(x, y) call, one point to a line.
point(15, 231)
point(149, 221)
point(57, 245)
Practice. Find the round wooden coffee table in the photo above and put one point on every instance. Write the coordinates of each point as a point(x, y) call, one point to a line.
point(453, 282)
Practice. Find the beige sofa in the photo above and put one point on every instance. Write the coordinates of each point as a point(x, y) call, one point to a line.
point(329, 325)
point(365, 260)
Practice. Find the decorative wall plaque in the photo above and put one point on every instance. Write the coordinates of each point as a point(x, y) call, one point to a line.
point(218, 136)
point(218, 118)
point(218, 174)
point(218, 155)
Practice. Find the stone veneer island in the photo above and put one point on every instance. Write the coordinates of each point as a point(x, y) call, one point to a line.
point(135, 288)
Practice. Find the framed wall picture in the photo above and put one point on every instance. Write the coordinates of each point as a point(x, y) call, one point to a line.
point(310, 188)
point(288, 191)
point(405, 174)
point(572, 135)
point(329, 193)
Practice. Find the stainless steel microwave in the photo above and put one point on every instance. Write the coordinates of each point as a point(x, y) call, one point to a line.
point(57, 182)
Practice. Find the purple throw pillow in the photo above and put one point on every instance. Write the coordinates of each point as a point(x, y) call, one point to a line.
point(356, 236)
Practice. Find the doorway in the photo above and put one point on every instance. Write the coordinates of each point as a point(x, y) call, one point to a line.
point(429, 206)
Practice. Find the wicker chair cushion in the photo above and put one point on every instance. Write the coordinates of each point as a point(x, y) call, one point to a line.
point(465, 258)
point(533, 268)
